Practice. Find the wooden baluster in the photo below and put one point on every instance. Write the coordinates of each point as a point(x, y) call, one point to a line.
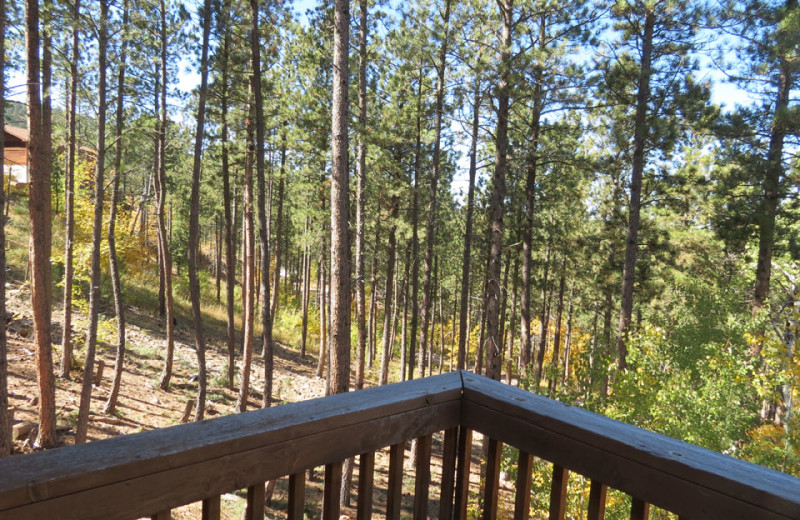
point(522, 502)
point(395, 488)
point(448, 473)
point(211, 508)
point(462, 472)
point(597, 501)
point(333, 484)
point(256, 501)
point(366, 473)
point(297, 496)
point(558, 493)
point(162, 515)
point(640, 510)
point(493, 453)
point(423, 481)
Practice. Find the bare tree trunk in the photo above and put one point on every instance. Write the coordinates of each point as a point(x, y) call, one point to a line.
point(218, 258)
point(553, 377)
point(39, 207)
point(69, 200)
point(412, 348)
point(386, 346)
point(482, 335)
point(248, 274)
point(531, 167)
point(427, 294)
point(279, 224)
point(306, 291)
point(97, 229)
point(263, 229)
point(568, 340)
point(498, 195)
point(5, 417)
point(372, 332)
point(639, 157)
point(194, 220)
point(465, 263)
point(116, 286)
point(441, 328)
point(161, 188)
point(511, 331)
point(230, 239)
point(544, 318)
point(323, 317)
point(404, 326)
point(361, 196)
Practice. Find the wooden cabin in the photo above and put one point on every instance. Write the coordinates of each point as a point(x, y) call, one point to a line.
point(16, 153)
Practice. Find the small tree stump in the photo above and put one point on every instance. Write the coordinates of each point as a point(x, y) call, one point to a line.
point(98, 376)
point(187, 412)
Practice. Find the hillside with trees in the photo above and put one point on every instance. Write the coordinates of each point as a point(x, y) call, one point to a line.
point(595, 201)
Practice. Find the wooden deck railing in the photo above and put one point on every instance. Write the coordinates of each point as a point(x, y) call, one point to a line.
point(150, 473)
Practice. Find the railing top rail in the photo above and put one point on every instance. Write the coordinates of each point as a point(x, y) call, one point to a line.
point(678, 476)
point(66, 471)
point(194, 461)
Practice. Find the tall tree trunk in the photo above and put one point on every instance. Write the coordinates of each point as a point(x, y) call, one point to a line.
point(248, 271)
point(386, 347)
point(340, 204)
point(361, 194)
point(493, 339)
point(161, 187)
point(544, 317)
point(531, 167)
point(306, 291)
point(553, 378)
point(322, 284)
point(639, 153)
point(97, 229)
point(412, 348)
point(279, 224)
point(465, 263)
point(263, 229)
point(511, 330)
point(116, 286)
point(430, 230)
point(69, 200)
point(441, 328)
point(373, 305)
point(194, 219)
point(772, 178)
point(568, 340)
point(39, 208)
point(5, 423)
point(230, 239)
point(404, 327)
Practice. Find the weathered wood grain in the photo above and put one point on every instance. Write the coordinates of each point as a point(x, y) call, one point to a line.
point(330, 496)
point(558, 493)
point(493, 453)
point(597, 501)
point(522, 500)
point(366, 479)
point(462, 472)
point(212, 508)
point(297, 496)
point(448, 473)
point(394, 491)
point(51, 474)
point(685, 479)
point(423, 478)
point(189, 483)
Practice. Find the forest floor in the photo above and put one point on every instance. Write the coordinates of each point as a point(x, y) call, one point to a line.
point(142, 405)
